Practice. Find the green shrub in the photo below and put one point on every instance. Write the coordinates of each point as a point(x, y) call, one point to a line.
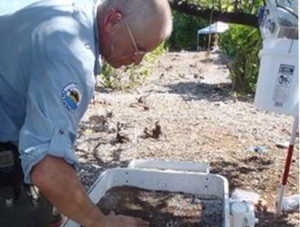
point(242, 44)
point(184, 35)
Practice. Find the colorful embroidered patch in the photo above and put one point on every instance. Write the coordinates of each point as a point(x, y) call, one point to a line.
point(71, 96)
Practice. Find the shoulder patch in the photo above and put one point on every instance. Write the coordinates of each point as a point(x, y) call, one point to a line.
point(71, 96)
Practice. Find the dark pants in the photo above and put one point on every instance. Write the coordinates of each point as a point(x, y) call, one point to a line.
point(25, 211)
point(21, 205)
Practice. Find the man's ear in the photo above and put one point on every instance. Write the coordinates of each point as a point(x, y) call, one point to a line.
point(112, 18)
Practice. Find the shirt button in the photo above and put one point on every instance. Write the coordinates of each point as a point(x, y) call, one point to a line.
point(61, 132)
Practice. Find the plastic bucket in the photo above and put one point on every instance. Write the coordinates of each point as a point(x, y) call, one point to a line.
point(277, 86)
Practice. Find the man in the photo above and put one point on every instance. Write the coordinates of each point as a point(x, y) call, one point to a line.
point(48, 58)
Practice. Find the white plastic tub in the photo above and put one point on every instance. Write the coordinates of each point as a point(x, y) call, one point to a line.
point(169, 166)
point(198, 183)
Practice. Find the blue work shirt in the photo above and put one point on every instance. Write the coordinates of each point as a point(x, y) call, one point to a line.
point(48, 61)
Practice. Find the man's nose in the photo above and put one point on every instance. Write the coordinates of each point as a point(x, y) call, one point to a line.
point(136, 59)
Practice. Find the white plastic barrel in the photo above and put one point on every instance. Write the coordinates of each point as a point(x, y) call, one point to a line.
point(277, 86)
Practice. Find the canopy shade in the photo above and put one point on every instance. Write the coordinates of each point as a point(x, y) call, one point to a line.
point(217, 27)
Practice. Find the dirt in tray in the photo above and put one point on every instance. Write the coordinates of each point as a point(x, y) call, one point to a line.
point(163, 208)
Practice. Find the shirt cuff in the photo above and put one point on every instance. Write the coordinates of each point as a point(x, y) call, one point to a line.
point(59, 146)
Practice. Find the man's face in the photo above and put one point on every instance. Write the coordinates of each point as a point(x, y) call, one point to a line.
point(121, 47)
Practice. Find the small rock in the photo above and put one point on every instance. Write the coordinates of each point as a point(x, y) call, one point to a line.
point(282, 144)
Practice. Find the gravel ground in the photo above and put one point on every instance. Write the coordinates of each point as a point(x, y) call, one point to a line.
point(185, 111)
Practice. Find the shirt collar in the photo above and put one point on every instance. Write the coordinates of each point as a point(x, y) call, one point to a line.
point(97, 67)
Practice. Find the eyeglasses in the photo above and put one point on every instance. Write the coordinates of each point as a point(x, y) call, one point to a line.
point(137, 51)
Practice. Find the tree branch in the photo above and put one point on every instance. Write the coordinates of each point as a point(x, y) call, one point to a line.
point(229, 17)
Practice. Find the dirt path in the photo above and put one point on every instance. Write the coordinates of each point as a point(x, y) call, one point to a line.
point(185, 111)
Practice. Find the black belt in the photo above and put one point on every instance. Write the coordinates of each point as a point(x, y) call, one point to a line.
point(6, 157)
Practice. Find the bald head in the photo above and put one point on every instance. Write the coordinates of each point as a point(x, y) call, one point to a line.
point(130, 28)
point(147, 18)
